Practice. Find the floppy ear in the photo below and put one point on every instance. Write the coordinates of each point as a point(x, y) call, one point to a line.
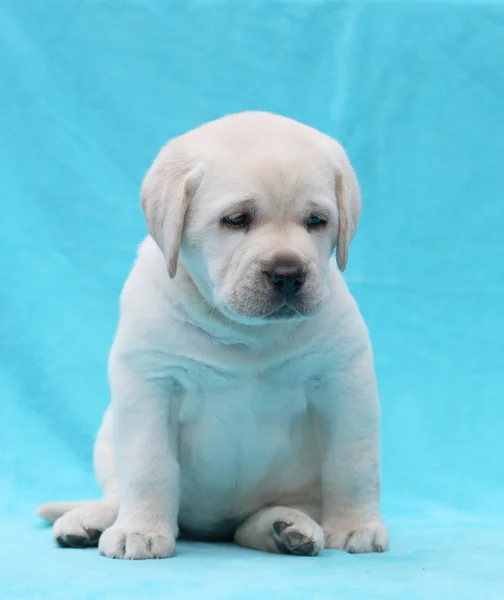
point(348, 200)
point(165, 196)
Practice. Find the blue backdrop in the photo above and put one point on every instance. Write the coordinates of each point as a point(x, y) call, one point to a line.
point(415, 91)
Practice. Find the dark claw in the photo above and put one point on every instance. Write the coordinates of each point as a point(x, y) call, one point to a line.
point(280, 526)
point(281, 547)
point(305, 549)
point(94, 536)
point(76, 541)
point(296, 539)
point(349, 536)
point(62, 542)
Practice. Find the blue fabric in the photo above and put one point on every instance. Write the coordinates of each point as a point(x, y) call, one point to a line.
point(89, 92)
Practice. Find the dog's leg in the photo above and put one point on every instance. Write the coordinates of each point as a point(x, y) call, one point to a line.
point(281, 529)
point(148, 469)
point(83, 524)
point(350, 412)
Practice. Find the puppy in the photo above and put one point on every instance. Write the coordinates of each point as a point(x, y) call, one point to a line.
point(244, 401)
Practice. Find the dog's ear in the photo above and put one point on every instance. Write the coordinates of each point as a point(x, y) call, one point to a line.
point(166, 192)
point(348, 200)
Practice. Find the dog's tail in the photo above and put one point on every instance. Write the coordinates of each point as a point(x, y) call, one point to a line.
point(54, 510)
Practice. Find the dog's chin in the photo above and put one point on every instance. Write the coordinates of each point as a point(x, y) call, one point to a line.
point(282, 312)
point(285, 313)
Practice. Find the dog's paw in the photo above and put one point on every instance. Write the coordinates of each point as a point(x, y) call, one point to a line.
point(297, 534)
point(135, 543)
point(82, 526)
point(356, 538)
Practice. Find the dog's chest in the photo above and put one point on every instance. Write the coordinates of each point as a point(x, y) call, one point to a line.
point(245, 435)
point(234, 390)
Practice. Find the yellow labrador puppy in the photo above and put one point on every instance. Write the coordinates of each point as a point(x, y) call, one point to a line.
point(244, 401)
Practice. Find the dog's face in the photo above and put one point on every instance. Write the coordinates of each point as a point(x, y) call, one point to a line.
point(257, 204)
point(261, 233)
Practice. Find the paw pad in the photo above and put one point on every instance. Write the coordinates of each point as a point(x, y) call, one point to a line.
point(290, 538)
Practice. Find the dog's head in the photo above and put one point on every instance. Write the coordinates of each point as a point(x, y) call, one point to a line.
point(256, 204)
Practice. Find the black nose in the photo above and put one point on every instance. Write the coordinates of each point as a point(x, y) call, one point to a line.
point(287, 278)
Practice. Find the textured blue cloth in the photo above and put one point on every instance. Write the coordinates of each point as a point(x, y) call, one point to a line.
point(415, 90)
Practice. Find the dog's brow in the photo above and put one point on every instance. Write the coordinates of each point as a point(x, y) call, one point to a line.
point(238, 205)
point(321, 207)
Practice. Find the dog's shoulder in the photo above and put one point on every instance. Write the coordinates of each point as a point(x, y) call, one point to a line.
point(147, 315)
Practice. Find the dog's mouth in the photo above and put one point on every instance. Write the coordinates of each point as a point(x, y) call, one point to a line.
point(255, 308)
point(284, 312)
point(281, 312)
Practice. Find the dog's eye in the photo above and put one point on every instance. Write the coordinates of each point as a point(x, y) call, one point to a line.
point(238, 220)
point(315, 221)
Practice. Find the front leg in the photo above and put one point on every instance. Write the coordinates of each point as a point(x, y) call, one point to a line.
point(350, 412)
point(147, 465)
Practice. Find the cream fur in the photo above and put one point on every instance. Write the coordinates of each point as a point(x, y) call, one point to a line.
point(233, 415)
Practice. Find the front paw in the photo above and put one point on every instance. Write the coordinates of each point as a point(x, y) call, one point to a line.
point(357, 537)
point(136, 543)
